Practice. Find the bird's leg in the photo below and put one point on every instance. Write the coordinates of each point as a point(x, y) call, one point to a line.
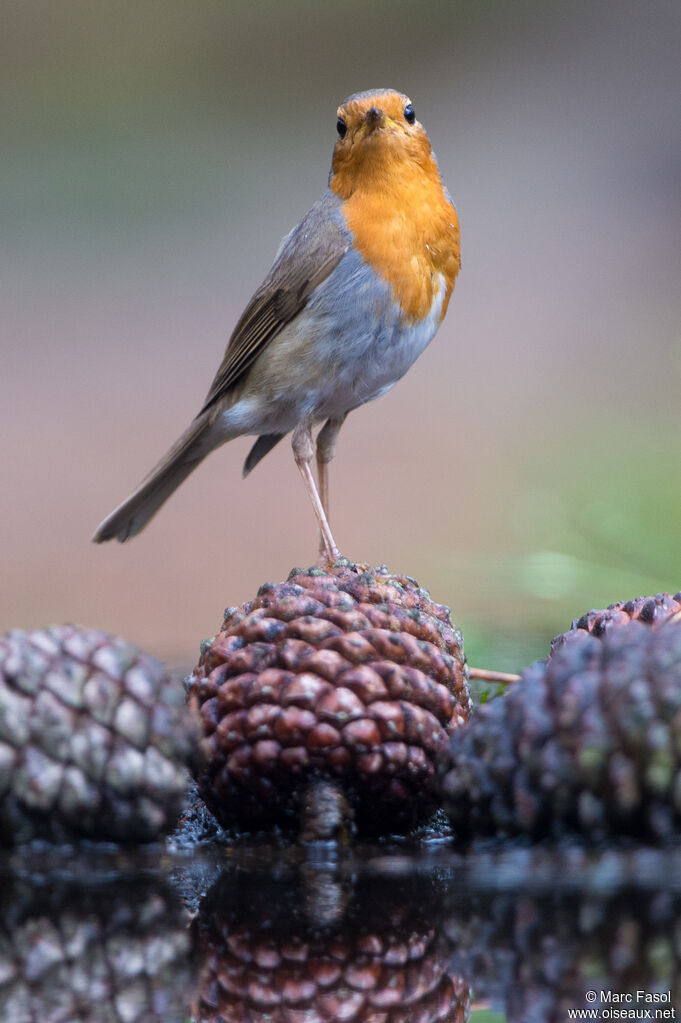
point(326, 449)
point(303, 451)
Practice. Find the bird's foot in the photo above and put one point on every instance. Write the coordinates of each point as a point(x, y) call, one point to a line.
point(328, 557)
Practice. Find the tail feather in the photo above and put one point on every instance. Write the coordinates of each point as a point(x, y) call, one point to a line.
point(262, 446)
point(132, 516)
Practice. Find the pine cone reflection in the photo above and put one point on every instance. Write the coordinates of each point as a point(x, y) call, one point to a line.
point(318, 952)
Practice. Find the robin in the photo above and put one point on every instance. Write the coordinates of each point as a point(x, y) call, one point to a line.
point(356, 292)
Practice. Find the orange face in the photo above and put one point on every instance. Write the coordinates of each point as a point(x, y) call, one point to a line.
point(395, 204)
point(372, 127)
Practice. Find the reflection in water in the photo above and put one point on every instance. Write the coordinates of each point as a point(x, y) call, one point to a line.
point(325, 949)
point(288, 935)
point(535, 957)
point(393, 938)
point(110, 952)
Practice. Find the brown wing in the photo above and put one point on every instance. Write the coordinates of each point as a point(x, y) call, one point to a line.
point(306, 258)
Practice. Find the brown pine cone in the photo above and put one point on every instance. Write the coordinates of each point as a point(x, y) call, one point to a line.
point(649, 610)
point(383, 959)
point(352, 676)
point(94, 738)
point(588, 741)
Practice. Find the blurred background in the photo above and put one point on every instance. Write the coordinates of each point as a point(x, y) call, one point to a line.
point(154, 154)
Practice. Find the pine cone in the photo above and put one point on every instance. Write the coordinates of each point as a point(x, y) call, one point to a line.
point(93, 738)
point(649, 610)
point(587, 741)
point(69, 954)
point(382, 959)
point(352, 676)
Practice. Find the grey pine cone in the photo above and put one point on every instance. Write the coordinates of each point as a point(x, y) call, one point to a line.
point(588, 741)
point(94, 738)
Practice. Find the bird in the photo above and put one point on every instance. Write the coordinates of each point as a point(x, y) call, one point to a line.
point(356, 292)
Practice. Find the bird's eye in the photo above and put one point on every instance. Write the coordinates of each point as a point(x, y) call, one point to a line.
point(409, 114)
point(341, 127)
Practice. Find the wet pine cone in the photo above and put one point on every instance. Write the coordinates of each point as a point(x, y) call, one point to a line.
point(588, 741)
point(94, 738)
point(346, 683)
point(649, 610)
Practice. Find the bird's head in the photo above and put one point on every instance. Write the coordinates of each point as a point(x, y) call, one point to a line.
point(376, 130)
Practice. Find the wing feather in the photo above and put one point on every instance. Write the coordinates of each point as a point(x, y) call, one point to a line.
point(306, 258)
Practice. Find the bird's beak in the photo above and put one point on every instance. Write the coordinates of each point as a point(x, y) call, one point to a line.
point(373, 119)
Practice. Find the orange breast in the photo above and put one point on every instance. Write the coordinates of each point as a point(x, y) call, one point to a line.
point(404, 226)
